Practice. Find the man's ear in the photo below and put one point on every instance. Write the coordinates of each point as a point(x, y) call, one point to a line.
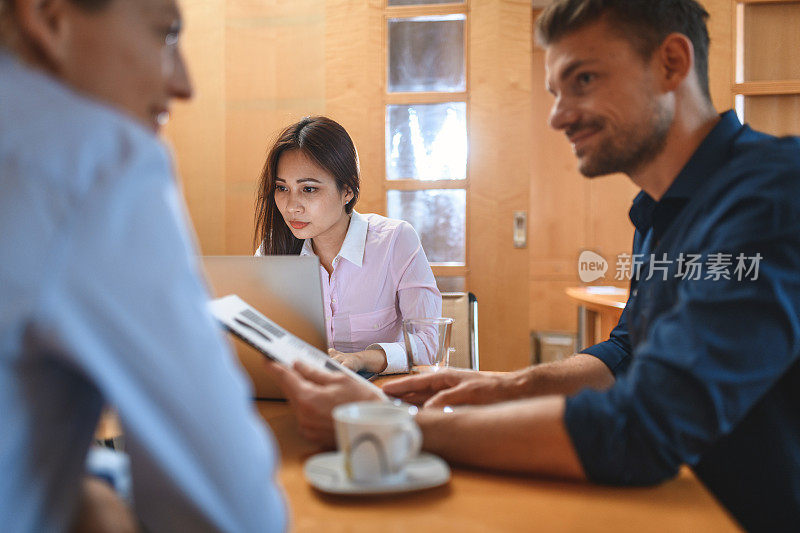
point(44, 27)
point(676, 60)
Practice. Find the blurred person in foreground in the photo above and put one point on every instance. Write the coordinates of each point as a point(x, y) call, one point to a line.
point(702, 368)
point(101, 298)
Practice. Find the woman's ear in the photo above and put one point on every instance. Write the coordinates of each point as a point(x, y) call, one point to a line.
point(45, 27)
point(348, 194)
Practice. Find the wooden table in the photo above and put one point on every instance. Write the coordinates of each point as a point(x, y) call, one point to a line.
point(599, 309)
point(482, 501)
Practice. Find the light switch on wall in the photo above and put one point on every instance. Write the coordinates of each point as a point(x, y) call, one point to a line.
point(520, 229)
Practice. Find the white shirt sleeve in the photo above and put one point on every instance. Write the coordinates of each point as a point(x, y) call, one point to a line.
point(126, 306)
point(396, 359)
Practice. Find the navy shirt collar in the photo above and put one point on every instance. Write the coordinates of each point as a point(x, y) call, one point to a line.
point(646, 213)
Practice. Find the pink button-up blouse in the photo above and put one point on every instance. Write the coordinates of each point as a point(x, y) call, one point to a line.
point(380, 276)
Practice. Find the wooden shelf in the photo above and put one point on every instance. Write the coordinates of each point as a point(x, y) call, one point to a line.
point(767, 1)
point(767, 88)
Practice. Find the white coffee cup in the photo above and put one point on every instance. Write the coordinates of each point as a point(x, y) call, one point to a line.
point(376, 440)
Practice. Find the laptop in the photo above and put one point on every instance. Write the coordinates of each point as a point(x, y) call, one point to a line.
point(287, 289)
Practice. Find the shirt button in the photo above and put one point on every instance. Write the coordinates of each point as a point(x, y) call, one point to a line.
point(333, 300)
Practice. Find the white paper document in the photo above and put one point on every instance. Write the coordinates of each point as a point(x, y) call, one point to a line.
point(272, 340)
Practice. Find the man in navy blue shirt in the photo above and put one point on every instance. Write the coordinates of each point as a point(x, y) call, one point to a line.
point(703, 367)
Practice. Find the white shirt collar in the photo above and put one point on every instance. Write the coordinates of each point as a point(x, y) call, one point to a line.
point(354, 243)
point(307, 249)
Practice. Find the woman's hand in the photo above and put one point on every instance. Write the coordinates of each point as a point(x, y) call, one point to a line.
point(369, 360)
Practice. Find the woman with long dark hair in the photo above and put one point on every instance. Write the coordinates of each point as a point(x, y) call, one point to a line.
point(374, 271)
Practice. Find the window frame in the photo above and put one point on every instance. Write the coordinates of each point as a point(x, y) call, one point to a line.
point(440, 269)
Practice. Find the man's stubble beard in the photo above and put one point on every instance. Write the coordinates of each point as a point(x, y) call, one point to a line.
point(630, 149)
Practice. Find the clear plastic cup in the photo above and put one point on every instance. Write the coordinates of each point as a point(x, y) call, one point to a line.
point(427, 343)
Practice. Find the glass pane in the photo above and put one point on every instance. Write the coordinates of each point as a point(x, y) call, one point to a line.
point(427, 54)
point(439, 216)
point(451, 283)
point(771, 41)
point(778, 115)
point(422, 2)
point(426, 141)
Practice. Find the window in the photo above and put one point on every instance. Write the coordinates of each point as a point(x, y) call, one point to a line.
point(426, 133)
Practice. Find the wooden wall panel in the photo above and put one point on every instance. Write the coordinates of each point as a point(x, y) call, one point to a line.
point(720, 54)
point(778, 114)
point(197, 129)
point(250, 129)
point(353, 88)
point(257, 65)
point(275, 75)
point(275, 59)
point(550, 309)
point(500, 161)
point(239, 206)
point(771, 42)
point(278, 11)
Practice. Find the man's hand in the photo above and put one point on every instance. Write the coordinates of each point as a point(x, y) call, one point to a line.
point(455, 387)
point(370, 360)
point(314, 393)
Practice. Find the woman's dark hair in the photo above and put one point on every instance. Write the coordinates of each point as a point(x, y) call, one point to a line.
point(327, 144)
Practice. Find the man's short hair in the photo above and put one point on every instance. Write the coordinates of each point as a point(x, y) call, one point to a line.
point(644, 23)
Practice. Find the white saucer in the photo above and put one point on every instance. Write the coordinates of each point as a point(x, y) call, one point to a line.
point(325, 471)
